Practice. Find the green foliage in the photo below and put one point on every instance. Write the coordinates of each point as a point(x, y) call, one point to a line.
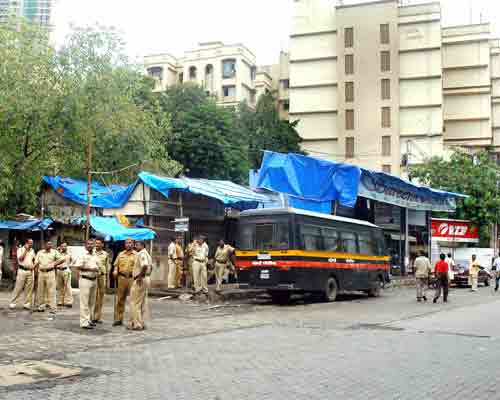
point(475, 176)
point(54, 103)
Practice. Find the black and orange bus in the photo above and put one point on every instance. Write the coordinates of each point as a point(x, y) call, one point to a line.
point(294, 251)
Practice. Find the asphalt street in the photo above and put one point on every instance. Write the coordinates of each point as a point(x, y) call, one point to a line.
point(357, 348)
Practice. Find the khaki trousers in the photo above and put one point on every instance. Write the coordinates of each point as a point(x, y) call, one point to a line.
point(87, 301)
point(138, 303)
point(178, 270)
point(422, 284)
point(172, 274)
point(190, 278)
point(200, 276)
point(220, 270)
point(46, 293)
point(63, 286)
point(24, 283)
point(473, 282)
point(122, 292)
point(99, 298)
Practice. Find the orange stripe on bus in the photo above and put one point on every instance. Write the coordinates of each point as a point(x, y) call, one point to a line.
point(283, 264)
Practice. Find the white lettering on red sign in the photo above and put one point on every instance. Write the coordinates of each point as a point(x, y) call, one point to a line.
point(452, 230)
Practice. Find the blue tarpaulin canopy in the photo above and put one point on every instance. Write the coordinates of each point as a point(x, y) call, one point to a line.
point(102, 196)
point(111, 229)
point(229, 193)
point(29, 225)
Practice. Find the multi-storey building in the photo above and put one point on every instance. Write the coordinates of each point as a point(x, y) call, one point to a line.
point(35, 11)
point(380, 85)
point(227, 72)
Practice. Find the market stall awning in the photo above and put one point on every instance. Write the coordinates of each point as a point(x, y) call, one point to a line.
point(31, 225)
point(111, 229)
point(101, 196)
point(229, 193)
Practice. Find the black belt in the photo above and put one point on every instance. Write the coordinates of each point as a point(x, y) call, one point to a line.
point(47, 270)
point(24, 268)
point(125, 276)
point(88, 278)
point(197, 259)
point(102, 274)
point(221, 262)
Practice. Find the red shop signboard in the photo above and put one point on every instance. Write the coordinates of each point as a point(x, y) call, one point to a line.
point(450, 230)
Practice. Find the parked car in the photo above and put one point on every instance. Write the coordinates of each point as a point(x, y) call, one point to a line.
point(461, 276)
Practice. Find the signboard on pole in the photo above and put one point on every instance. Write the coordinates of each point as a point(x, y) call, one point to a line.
point(450, 230)
point(181, 224)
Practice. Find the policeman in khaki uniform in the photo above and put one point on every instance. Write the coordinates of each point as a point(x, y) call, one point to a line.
point(104, 263)
point(63, 278)
point(138, 300)
point(189, 253)
point(89, 269)
point(47, 261)
point(123, 269)
point(172, 268)
point(25, 275)
point(179, 260)
point(222, 259)
point(200, 259)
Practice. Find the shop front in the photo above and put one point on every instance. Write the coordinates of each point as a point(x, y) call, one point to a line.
point(450, 235)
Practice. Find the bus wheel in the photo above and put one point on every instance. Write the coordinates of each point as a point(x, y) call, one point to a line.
point(280, 297)
point(375, 292)
point(331, 289)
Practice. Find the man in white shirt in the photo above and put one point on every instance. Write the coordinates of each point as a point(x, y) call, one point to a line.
point(496, 267)
point(451, 266)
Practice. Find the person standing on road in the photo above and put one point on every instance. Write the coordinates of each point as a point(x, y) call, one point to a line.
point(496, 267)
point(25, 275)
point(189, 253)
point(451, 265)
point(103, 262)
point(47, 260)
point(474, 269)
point(179, 261)
point(138, 300)
point(222, 258)
point(441, 271)
point(88, 266)
point(63, 277)
point(200, 259)
point(123, 268)
point(172, 269)
point(423, 270)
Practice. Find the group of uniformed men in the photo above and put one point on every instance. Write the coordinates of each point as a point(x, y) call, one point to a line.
point(132, 269)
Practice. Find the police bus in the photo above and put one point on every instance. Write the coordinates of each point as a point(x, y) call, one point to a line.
point(294, 251)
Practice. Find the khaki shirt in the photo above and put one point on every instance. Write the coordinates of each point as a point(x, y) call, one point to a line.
point(143, 261)
point(46, 259)
point(423, 267)
point(222, 254)
point(172, 252)
point(104, 261)
point(474, 268)
point(28, 261)
point(88, 261)
point(125, 262)
point(179, 253)
point(200, 252)
point(68, 260)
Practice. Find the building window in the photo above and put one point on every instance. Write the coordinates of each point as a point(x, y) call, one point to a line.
point(253, 73)
point(349, 92)
point(386, 168)
point(349, 120)
point(349, 37)
point(229, 91)
point(349, 147)
point(156, 73)
point(229, 69)
point(386, 89)
point(349, 64)
point(286, 106)
point(209, 77)
point(285, 83)
point(386, 146)
point(192, 73)
point(384, 34)
point(386, 117)
point(181, 77)
point(385, 61)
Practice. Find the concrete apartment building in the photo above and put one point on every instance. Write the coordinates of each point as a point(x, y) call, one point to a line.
point(35, 11)
point(227, 72)
point(376, 83)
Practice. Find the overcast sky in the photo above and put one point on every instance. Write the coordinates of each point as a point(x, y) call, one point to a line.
point(158, 26)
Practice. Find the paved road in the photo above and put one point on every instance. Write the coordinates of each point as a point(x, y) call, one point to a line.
point(356, 348)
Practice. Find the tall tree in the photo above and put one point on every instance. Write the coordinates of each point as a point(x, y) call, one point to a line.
point(475, 175)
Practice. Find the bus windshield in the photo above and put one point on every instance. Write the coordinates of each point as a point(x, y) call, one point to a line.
point(263, 236)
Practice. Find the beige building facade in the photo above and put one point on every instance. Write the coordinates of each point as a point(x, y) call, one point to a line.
point(381, 85)
point(229, 73)
point(35, 11)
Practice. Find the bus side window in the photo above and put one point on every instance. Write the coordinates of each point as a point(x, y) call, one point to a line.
point(283, 236)
point(349, 244)
point(366, 244)
point(311, 237)
point(331, 239)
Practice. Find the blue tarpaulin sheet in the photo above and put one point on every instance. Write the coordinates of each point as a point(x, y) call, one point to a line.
point(111, 229)
point(317, 182)
point(229, 193)
point(30, 225)
point(102, 196)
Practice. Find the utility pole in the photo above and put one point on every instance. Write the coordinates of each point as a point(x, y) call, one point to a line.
point(89, 188)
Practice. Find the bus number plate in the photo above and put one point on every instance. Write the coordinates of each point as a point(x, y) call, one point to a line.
point(264, 256)
point(264, 274)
